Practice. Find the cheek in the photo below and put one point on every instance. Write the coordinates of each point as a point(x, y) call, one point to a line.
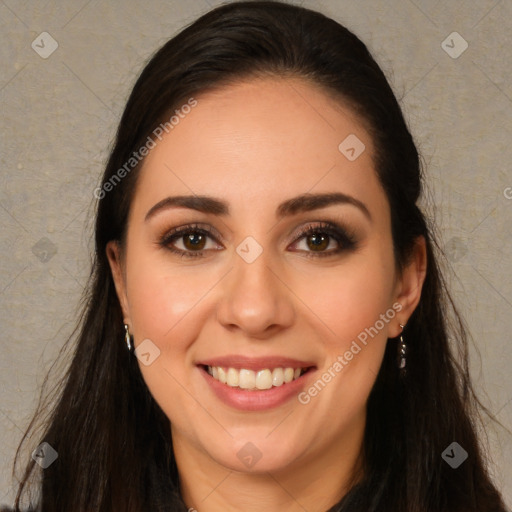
point(354, 312)
point(164, 307)
point(350, 298)
point(162, 298)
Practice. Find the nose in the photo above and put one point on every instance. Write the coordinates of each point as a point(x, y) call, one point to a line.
point(255, 298)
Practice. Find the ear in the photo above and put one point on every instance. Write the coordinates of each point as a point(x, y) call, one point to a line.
point(115, 260)
point(410, 284)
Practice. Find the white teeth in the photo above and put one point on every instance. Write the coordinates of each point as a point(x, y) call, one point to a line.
point(288, 375)
point(249, 379)
point(264, 379)
point(277, 377)
point(232, 378)
point(222, 375)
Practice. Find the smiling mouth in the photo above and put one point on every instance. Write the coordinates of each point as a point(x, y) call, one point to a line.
point(251, 380)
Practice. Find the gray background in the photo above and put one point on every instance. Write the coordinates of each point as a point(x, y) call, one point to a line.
point(59, 116)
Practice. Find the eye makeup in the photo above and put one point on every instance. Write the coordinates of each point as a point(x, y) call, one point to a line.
point(318, 232)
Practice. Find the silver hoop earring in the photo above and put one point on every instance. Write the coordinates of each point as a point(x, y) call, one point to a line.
point(402, 353)
point(128, 338)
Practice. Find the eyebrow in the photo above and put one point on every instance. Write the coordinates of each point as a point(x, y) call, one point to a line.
point(302, 203)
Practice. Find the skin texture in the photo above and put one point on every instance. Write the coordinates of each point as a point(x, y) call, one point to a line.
point(255, 144)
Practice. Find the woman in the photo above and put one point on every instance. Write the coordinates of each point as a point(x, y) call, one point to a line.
point(267, 326)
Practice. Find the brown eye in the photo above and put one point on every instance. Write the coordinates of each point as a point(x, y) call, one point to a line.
point(325, 239)
point(190, 241)
point(318, 241)
point(195, 241)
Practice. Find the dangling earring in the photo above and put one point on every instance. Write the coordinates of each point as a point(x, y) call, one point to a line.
point(128, 338)
point(402, 353)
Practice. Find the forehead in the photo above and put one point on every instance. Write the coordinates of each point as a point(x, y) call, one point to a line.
point(261, 140)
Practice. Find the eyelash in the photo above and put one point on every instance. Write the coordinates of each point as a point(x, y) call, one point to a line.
point(346, 240)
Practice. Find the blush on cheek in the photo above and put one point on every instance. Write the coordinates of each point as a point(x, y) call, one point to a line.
point(347, 307)
point(158, 303)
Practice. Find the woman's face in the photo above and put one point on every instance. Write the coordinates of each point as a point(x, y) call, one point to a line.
point(241, 293)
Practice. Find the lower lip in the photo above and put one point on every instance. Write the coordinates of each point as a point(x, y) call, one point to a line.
point(257, 400)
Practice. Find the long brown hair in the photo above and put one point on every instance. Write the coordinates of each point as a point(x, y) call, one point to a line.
point(113, 441)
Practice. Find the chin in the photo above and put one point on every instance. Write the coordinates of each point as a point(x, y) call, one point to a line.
point(256, 454)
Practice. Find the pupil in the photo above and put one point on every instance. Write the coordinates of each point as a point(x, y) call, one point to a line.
point(194, 240)
point(319, 240)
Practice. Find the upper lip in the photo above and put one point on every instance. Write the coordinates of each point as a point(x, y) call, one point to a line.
point(255, 363)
